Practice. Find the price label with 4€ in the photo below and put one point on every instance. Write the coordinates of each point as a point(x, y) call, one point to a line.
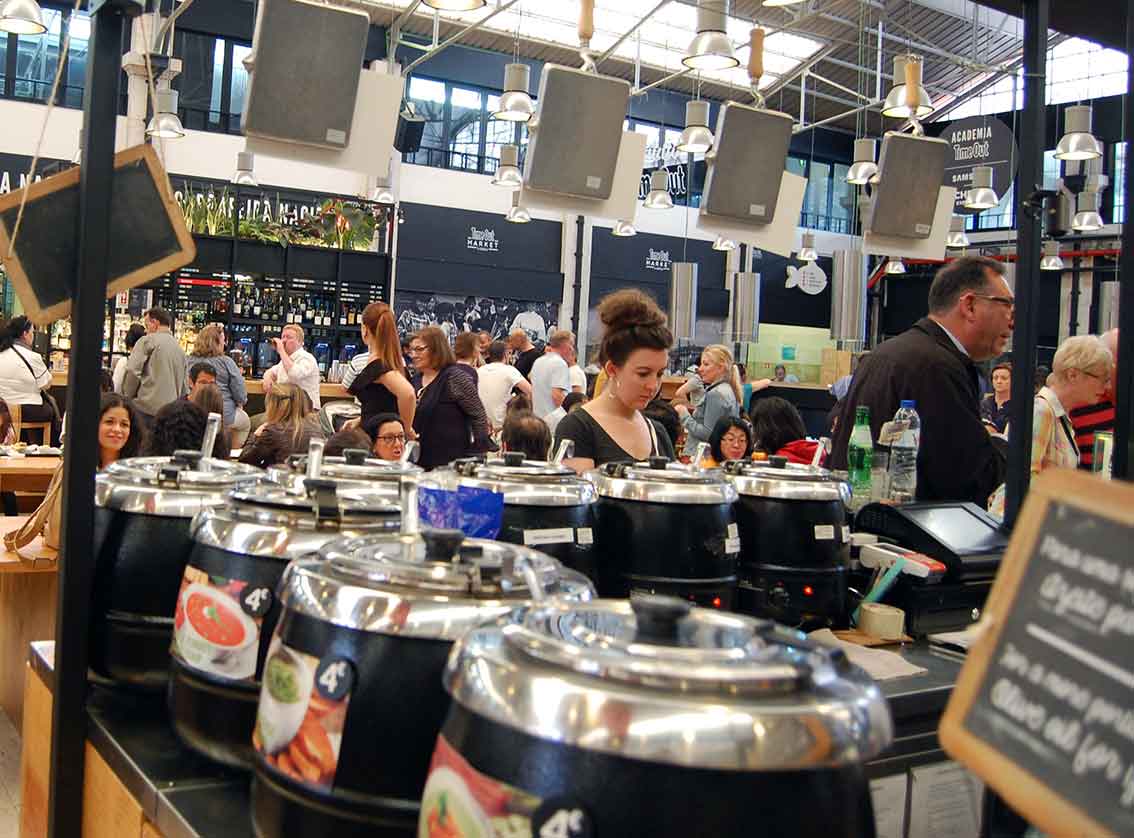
point(560, 817)
point(334, 678)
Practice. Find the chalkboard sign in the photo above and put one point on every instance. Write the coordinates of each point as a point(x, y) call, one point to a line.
point(1043, 708)
point(148, 234)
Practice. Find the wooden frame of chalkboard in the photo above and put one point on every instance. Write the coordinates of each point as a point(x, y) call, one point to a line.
point(1040, 711)
point(154, 239)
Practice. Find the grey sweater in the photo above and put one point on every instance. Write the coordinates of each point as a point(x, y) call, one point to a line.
point(718, 403)
point(155, 372)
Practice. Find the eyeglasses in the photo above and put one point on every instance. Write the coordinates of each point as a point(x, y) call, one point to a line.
point(416, 350)
point(1006, 301)
point(390, 439)
point(1093, 375)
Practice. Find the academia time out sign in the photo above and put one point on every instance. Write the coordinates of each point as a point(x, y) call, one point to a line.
point(979, 141)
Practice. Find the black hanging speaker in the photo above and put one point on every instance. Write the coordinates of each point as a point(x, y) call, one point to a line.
point(407, 136)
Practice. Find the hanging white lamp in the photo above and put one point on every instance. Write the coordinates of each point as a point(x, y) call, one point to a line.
point(245, 161)
point(518, 214)
point(895, 266)
point(863, 168)
point(908, 98)
point(696, 138)
point(1051, 260)
point(658, 197)
point(383, 194)
point(508, 173)
point(807, 252)
point(711, 49)
point(455, 5)
point(1077, 142)
point(21, 17)
point(957, 238)
point(165, 124)
point(1087, 219)
point(981, 195)
point(623, 229)
point(724, 244)
point(516, 103)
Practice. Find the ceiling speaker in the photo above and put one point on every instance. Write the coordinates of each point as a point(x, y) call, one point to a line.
point(306, 60)
point(408, 134)
point(746, 164)
point(573, 149)
point(910, 173)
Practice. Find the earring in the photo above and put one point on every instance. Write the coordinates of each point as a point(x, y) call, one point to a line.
point(613, 388)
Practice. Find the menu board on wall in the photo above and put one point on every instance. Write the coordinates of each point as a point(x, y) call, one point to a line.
point(1042, 709)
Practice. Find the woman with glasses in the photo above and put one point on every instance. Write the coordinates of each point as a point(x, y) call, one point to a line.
point(381, 386)
point(388, 435)
point(1079, 376)
point(450, 421)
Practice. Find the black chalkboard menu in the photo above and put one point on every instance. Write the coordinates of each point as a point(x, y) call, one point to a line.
point(1043, 710)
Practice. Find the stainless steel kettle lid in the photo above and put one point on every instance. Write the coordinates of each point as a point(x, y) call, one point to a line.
point(176, 486)
point(434, 584)
point(319, 498)
point(660, 480)
point(777, 478)
point(522, 482)
point(658, 680)
point(354, 464)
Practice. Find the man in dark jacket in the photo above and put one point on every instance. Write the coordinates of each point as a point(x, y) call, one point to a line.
point(970, 320)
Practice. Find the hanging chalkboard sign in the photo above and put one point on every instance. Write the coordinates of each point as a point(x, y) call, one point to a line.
point(148, 234)
point(1042, 710)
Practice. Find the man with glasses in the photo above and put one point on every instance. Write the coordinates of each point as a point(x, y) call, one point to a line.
point(971, 309)
point(389, 435)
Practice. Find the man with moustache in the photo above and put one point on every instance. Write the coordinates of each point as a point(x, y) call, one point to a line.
point(971, 309)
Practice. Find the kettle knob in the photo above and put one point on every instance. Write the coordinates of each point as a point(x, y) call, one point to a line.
point(355, 456)
point(658, 617)
point(658, 462)
point(441, 545)
point(513, 458)
point(777, 461)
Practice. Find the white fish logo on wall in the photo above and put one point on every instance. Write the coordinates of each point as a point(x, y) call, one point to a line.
point(810, 279)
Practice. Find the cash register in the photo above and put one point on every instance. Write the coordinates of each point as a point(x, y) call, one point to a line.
point(960, 535)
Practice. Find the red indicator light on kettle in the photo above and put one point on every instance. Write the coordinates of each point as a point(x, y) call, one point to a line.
point(716, 602)
point(808, 590)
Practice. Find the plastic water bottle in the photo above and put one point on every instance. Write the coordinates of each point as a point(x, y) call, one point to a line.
point(860, 458)
point(903, 454)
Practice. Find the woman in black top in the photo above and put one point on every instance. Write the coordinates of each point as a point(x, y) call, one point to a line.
point(634, 355)
point(382, 386)
point(450, 420)
point(995, 407)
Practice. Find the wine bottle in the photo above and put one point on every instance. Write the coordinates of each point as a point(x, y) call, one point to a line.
point(257, 304)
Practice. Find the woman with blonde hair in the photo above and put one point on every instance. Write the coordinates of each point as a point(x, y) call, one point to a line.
point(209, 349)
point(723, 397)
point(1079, 376)
point(287, 430)
point(382, 386)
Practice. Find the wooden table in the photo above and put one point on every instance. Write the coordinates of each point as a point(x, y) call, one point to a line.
point(28, 586)
point(27, 474)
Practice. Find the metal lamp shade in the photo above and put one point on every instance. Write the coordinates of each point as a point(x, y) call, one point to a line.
point(895, 105)
point(807, 252)
point(623, 229)
point(957, 238)
point(21, 17)
point(895, 266)
point(864, 167)
point(981, 195)
point(724, 244)
point(711, 49)
point(658, 197)
point(1077, 142)
point(165, 124)
point(1051, 260)
point(454, 5)
point(516, 103)
point(385, 195)
point(245, 163)
point(518, 214)
point(508, 173)
point(696, 138)
point(1087, 219)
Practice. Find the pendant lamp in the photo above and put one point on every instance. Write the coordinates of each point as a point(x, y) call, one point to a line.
point(1087, 219)
point(518, 214)
point(864, 167)
point(957, 238)
point(21, 17)
point(696, 138)
point(658, 197)
point(895, 266)
point(981, 195)
point(508, 172)
point(1077, 142)
point(711, 49)
point(623, 229)
point(900, 102)
point(1051, 260)
point(454, 5)
point(724, 244)
point(516, 103)
point(165, 124)
point(245, 161)
point(807, 252)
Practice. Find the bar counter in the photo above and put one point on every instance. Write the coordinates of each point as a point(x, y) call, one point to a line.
point(141, 781)
point(255, 386)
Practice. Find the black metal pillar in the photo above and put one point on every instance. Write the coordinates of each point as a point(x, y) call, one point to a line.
point(1030, 231)
point(1124, 375)
point(68, 723)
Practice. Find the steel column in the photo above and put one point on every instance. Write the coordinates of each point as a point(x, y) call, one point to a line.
point(1124, 374)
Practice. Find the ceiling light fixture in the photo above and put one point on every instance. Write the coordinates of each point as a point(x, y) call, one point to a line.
point(908, 98)
point(957, 238)
point(895, 266)
point(517, 214)
point(658, 197)
point(383, 194)
point(455, 5)
point(21, 17)
point(864, 167)
point(724, 244)
point(1087, 219)
point(1077, 142)
point(696, 138)
point(245, 161)
point(711, 49)
point(623, 228)
point(1051, 260)
point(981, 195)
point(516, 103)
point(508, 172)
point(165, 124)
point(807, 251)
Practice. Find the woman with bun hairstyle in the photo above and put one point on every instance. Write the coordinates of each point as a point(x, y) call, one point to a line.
point(723, 397)
point(634, 355)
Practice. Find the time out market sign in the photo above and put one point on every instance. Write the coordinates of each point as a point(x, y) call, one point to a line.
point(482, 240)
point(978, 141)
point(658, 260)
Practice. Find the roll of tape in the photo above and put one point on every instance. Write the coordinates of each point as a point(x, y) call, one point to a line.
point(882, 620)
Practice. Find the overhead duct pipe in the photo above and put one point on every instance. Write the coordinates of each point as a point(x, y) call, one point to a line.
point(848, 299)
point(683, 300)
point(745, 293)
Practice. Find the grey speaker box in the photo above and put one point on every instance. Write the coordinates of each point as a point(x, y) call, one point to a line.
point(746, 165)
point(306, 61)
point(573, 149)
point(910, 173)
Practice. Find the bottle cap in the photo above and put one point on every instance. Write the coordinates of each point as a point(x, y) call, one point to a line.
point(909, 404)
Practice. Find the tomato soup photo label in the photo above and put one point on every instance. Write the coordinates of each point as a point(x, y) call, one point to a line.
point(217, 625)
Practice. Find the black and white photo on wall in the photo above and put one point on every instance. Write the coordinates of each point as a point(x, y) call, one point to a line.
point(455, 313)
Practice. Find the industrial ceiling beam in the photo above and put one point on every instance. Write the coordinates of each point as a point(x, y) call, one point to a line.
point(631, 31)
point(448, 42)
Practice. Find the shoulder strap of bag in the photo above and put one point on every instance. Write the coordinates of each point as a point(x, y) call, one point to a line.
point(20, 355)
point(654, 450)
point(32, 528)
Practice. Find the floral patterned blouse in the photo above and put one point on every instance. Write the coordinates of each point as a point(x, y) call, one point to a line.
point(1053, 436)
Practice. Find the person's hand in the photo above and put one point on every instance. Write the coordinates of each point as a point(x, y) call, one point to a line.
point(761, 384)
point(277, 344)
point(260, 429)
point(682, 410)
point(351, 424)
point(269, 380)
